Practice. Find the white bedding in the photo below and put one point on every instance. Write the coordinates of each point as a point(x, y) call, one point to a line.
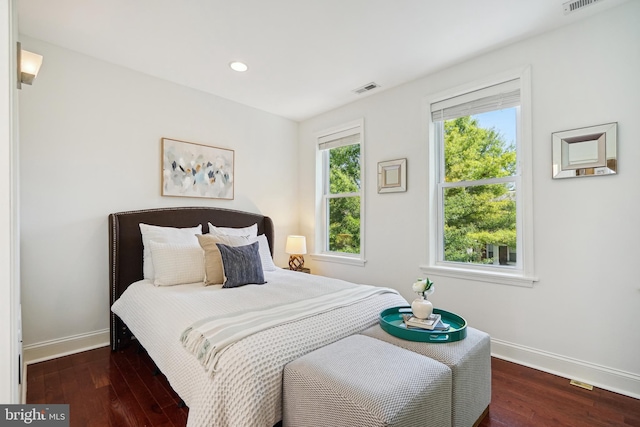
point(247, 387)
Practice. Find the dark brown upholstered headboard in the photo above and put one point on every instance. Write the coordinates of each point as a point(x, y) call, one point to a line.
point(125, 243)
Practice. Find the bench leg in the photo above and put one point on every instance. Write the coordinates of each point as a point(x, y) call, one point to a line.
point(481, 417)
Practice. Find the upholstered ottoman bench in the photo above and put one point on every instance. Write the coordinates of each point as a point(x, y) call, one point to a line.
point(362, 381)
point(470, 363)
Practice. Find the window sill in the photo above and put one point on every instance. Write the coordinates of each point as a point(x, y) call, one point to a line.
point(338, 259)
point(499, 278)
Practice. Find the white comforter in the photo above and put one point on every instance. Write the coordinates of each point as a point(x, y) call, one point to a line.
point(247, 387)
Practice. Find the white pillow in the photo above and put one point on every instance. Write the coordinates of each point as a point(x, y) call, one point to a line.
point(163, 235)
point(265, 254)
point(251, 231)
point(176, 263)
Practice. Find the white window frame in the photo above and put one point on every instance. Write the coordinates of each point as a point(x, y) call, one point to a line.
point(524, 273)
point(322, 252)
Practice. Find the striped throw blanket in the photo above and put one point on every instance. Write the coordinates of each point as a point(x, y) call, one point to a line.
point(208, 338)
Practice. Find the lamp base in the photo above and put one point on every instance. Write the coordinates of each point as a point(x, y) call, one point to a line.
point(296, 262)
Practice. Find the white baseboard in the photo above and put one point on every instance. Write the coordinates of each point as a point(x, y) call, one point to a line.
point(52, 349)
point(622, 382)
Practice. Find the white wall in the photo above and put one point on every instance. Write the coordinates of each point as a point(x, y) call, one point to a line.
point(579, 319)
point(90, 145)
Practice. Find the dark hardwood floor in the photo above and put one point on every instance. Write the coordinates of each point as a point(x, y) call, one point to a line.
point(107, 389)
point(119, 389)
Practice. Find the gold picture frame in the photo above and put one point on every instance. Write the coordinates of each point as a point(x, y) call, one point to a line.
point(392, 176)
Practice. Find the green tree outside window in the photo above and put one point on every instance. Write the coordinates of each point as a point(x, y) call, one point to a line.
point(344, 206)
point(478, 215)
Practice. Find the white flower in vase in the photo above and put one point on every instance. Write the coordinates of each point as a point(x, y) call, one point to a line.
point(421, 307)
point(423, 287)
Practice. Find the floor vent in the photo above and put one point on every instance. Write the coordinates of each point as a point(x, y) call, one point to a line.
point(581, 384)
point(572, 6)
point(366, 88)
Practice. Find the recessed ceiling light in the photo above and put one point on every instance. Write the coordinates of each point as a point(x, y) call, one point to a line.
point(238, 66)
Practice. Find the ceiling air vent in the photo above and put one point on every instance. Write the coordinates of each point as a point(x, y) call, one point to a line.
point(572, 6)
point(366, 88)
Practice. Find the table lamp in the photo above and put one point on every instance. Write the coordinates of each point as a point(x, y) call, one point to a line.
point(296, 247)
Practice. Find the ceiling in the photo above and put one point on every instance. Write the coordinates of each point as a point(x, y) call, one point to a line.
point(304, 56)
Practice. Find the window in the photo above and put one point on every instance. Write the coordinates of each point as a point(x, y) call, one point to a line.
point(341, 217)
point(479, 190)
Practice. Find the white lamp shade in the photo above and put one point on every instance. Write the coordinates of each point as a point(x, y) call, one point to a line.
point(296, 245)
point(30, 62)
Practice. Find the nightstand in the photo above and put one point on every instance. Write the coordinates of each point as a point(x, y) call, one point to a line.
point(303, 270)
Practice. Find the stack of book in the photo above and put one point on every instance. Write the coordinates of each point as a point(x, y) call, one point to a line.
point(432, 323)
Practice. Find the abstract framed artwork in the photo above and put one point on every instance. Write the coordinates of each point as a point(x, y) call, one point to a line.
point(392, 176)
point(590, 151)
point(196, 170)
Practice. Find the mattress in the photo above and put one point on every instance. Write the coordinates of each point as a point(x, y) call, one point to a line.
point(246, 389)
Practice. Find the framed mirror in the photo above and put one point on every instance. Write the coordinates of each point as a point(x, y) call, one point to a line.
point(392, 176)
point(590, 151)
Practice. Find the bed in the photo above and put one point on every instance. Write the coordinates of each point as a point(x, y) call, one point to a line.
point(244, 386)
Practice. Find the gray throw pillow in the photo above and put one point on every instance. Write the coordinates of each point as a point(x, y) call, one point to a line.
point(241, 265)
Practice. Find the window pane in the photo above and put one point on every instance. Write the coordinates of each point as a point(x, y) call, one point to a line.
point(344, 224)
point(480, 146)
point(344, 169)
point(480, 224)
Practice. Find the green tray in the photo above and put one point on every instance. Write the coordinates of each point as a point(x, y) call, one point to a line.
point(391, 322)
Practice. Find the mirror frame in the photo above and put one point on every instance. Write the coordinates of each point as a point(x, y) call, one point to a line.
point(606, 162)
point(392, 176)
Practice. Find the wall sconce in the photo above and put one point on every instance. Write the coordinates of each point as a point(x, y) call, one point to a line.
point(296, 247)
point(28, 66)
